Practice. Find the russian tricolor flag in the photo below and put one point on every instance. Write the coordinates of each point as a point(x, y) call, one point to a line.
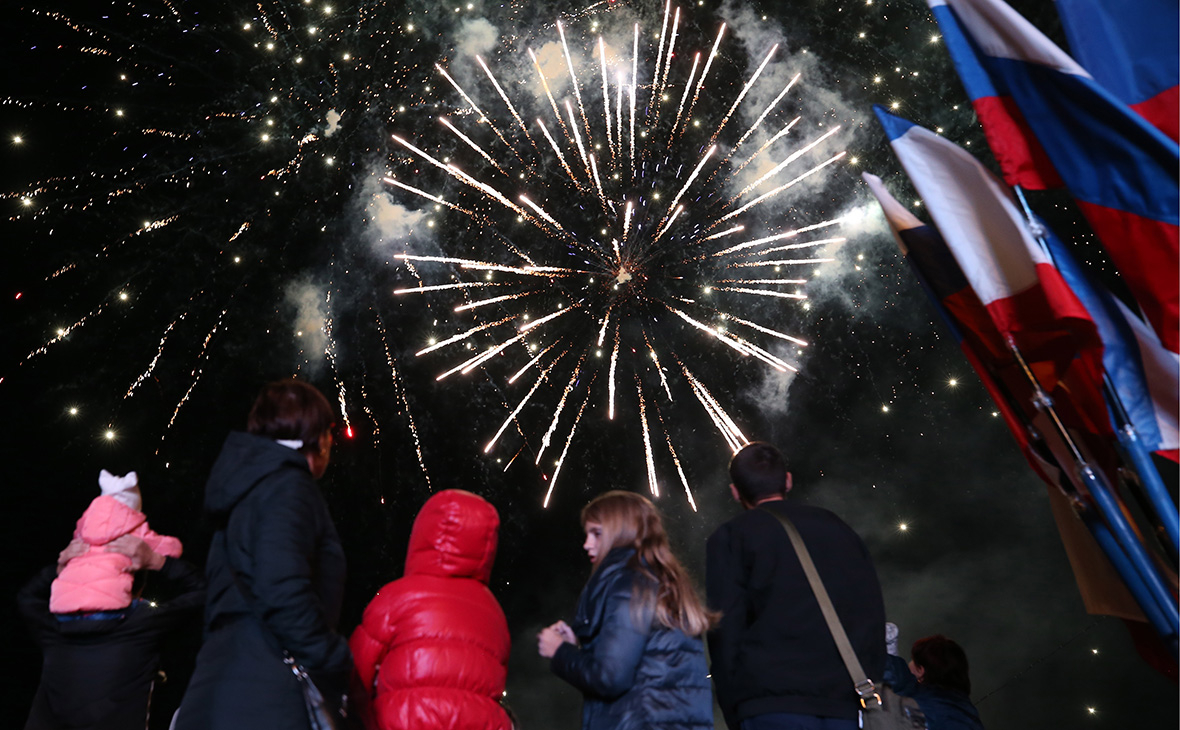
point(1024, 294)
point(956, 301)
point(1133, 50)
point(1124, 173)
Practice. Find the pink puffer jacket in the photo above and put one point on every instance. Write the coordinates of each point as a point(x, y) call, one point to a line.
point(98, 580)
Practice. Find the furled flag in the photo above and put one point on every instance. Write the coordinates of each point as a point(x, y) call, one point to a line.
point(1145, 375)
point(1014, 278)
point(1101, 587)
point(1132, 49)
point(1123, 172)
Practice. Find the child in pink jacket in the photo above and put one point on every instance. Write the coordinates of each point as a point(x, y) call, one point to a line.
point(97, 580)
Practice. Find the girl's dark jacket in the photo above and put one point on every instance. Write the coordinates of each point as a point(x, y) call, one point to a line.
point(278, 537)
point(633, 671)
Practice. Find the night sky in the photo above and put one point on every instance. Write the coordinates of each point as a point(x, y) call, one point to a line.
point(193, 205)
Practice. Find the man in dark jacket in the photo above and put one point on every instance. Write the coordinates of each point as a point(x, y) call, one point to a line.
point(775, 663)
point(99, 669)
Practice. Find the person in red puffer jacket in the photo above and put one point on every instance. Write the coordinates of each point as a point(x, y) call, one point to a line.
point(433, 647)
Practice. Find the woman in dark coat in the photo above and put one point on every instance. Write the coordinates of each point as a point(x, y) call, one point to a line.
point(275, 570)
point(635, 649)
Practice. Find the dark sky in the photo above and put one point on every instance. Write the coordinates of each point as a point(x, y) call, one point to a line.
point(189, 260)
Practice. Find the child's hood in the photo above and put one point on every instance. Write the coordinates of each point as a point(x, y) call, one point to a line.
point(106, 519)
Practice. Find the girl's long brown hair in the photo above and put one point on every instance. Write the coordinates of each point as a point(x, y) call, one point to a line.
point(631, 520)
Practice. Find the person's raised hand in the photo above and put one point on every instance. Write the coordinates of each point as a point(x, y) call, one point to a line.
point(141, 554)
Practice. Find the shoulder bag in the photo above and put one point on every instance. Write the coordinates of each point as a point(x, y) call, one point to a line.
point(881, 707)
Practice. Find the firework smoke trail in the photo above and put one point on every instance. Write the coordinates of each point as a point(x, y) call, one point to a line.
point(745, 90)
point(548, 95)
point(401, 395)
point(696, 94)
point(696, 60)
point(467, 140)
point(196, 374)
point(569, 388)
point(565, 450)
point(635, 259)
point(64, 332)
point(610, 138)
point(676, 460)
point(330, 353)
point(152, 365)
point(655, 79)
point(767, 196)
point(569, 64)
point(650, 457)
point(780, 236)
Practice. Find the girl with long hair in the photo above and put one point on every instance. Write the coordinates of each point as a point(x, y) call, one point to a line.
point(635, 649)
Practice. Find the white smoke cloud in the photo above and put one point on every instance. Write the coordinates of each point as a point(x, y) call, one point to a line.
point(475, 37)
point(393, 226)
point(333, 118)
point(309, 302)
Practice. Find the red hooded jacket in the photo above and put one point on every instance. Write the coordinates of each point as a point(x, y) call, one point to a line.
point(433, 645)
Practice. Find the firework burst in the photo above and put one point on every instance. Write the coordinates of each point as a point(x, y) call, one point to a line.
point(213, 150)
point(610, 236)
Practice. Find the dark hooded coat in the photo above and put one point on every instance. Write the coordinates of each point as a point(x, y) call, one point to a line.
point(634, 672)
point(276, 582)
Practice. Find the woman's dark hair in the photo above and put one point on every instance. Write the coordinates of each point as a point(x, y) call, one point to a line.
point(945, 663)
point(758, 471)
point(291, 409)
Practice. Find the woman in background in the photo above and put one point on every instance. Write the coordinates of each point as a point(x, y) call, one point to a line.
point(635, 650)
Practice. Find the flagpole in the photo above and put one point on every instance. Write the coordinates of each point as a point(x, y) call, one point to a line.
point(1155, 614)
point(1166, 616)
point(1132, 449)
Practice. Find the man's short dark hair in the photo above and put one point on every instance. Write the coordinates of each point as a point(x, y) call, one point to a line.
point(758, 471)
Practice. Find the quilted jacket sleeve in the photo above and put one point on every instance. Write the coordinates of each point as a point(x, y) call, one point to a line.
point(606, 668)
point(370, 640)
point(163, 544)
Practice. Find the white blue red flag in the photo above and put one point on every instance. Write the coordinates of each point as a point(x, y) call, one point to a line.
point(1047, 119)
point(1022, 291)
point(1133, 50)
